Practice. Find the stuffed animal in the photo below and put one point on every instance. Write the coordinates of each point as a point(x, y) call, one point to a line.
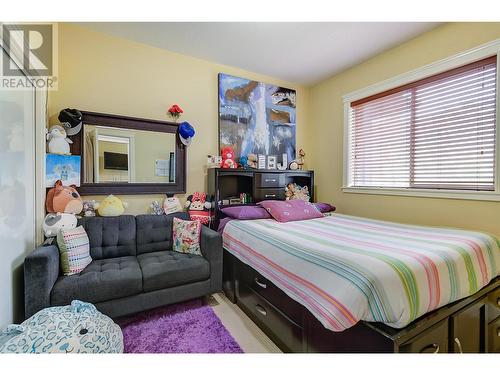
point(53, 223)
point(298, 163)
point(199, 208)
point(64, 199)
point(156, 209)
point(171, 205)
point(294, 191)
point(58, 140)
point(244, 162)
point(89, 208)
point(111, 206)
point(228, 161)
point(252, 161)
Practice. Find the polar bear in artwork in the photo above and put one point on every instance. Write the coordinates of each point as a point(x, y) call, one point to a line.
point(58, 141)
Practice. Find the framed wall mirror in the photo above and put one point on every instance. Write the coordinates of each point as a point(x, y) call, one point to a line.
point(127, 155)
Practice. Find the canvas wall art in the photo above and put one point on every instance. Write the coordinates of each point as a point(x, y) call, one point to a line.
point(62, 167)
point(255, 117)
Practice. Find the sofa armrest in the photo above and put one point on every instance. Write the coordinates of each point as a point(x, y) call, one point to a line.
point(211, 248)
point(41, 270)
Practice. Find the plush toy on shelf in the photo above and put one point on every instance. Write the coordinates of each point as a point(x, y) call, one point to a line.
point(54, 222)
point(294, 191)
point(171, 205)
point(111, 206)
point(228, 161)
point(64, 199)
point(58, 142)
point(298, 163)
point(253, 161)
point(198, 207)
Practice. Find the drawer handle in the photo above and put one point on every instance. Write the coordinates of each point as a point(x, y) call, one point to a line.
point(459, 344)
point(270, 195)
point(498, 332)
point(498, 301)
point(435, 347)
point(261, 310)
point(270, 180)
point(262, 285)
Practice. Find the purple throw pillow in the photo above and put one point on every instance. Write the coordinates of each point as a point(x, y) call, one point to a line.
point(246, 212)
point(293, 210)
point(324, 207)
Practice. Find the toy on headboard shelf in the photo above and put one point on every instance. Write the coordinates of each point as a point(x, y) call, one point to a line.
point(64, 199)
point(294, 191)
point(111, 206)
point(253, 161)
point(228, 161)
point(198, 207)
point(298, 163)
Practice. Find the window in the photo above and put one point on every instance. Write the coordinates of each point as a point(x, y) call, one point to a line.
point(434, 133)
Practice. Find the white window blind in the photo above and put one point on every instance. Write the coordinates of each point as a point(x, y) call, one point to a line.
point(436, 133)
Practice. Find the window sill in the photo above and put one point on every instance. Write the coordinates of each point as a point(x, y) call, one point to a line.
point(427, 193)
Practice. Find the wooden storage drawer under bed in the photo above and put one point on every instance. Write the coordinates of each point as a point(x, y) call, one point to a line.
point(494, 336)
point(493, 309)
point(432, 340)
point(252, 279)
point(283, 331)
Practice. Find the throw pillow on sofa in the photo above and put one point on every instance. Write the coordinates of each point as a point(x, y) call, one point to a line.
point(74, 250)
point(186, 236)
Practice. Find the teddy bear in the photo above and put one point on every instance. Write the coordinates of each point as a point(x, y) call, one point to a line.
point(58, 140)
point(111, 206)
point(294, 191)
point(198, 207)
point(228, 161)
point(252, 161)
point(64, 199)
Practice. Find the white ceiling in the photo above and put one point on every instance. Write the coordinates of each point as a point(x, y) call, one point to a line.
point(301, 52)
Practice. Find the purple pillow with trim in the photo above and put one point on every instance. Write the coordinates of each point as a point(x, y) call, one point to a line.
point(292, 210)
point(324, 207)
point(246, 212)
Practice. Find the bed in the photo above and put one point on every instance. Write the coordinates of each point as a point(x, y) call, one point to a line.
point(344, 270)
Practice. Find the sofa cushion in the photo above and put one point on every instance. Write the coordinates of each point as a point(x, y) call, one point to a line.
point(165, 269)
point(101, 280)
point(154, 232)
point(110, 237)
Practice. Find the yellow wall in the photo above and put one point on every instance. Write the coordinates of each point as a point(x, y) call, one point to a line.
point(101, 73)
point(326, 156)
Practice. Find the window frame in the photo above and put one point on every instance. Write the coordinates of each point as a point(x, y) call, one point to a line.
point(441, 66)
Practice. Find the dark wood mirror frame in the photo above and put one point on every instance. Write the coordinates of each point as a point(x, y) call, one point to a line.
point(103, 119)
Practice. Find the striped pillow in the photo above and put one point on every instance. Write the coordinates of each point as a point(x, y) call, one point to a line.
point(74, 250)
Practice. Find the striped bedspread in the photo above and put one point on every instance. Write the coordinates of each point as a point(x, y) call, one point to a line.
point(345, 269)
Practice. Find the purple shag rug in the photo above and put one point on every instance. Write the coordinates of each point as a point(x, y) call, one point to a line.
point(189, 327)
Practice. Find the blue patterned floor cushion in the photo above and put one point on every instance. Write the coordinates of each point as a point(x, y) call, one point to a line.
point(78, 328)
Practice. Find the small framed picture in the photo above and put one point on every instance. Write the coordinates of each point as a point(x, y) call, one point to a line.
point(261, 162)
point(271, 162)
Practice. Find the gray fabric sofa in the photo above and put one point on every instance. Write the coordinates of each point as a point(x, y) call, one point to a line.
point(133, 268)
